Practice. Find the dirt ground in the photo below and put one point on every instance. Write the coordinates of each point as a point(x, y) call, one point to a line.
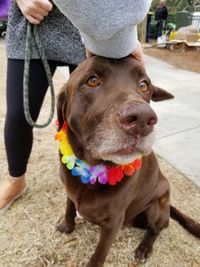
point(189, 60)
point(27, 232)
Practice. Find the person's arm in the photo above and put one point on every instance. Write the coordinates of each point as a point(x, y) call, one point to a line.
point(137, 53)
point(109, 29)
point(34, 10)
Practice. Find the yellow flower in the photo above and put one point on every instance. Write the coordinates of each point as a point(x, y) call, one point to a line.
point(64, 146)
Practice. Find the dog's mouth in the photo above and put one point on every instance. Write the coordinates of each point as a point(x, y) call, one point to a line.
point(124, 152)
point(122, 156)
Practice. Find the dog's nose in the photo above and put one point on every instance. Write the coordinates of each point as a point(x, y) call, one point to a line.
point(137, 119)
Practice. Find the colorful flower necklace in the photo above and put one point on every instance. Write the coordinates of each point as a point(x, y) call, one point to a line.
point(88, 173)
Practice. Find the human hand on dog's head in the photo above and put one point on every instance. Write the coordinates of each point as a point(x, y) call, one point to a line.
point(137, 54)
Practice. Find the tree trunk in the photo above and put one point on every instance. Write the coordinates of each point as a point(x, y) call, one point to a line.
point(142, 30)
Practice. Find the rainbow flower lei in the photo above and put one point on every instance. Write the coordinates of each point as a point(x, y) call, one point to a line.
point(88, 173)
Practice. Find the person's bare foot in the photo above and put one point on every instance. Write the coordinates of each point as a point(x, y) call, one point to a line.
point(11, 189)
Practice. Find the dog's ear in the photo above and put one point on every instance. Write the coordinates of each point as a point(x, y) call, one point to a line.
point(61, 107)
point(160, 94)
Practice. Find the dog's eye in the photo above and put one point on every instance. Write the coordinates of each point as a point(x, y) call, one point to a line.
point(93, 81)
point(143, 87)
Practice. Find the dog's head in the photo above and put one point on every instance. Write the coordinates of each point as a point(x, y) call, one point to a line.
point(106, 105)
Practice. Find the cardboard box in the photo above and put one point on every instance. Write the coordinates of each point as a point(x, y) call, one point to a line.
point(189, 37)
point(180, 36)
point(192, 37)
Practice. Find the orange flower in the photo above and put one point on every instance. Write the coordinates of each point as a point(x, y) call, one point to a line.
point(129, 169)
point(137, 164)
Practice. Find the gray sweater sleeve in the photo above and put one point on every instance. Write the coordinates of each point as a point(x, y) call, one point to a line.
point(108, 27)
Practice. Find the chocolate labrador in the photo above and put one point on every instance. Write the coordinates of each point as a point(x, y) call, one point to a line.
point(110, 125)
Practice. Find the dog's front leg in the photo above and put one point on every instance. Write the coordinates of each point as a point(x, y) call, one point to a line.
point(108, 233)
point(68, 224)
point(157, 218)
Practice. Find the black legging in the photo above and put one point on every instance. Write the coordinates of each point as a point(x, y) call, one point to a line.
point(18, 133)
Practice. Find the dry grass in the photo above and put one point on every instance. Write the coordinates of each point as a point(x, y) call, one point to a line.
point(27, 232)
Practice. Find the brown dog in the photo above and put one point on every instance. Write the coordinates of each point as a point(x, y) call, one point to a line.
point(106, 105)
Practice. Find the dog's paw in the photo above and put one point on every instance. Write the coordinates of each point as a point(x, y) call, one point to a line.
point(94, 264)
point(65, 228)
point(142, 253)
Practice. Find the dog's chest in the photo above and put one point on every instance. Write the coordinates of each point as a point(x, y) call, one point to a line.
point(98, 206)
point(91, 205)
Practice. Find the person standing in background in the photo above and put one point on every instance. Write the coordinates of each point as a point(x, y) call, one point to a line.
point(161, 15)
point(148, 26)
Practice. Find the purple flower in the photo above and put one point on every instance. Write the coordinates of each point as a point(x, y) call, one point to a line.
point(98, 172)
